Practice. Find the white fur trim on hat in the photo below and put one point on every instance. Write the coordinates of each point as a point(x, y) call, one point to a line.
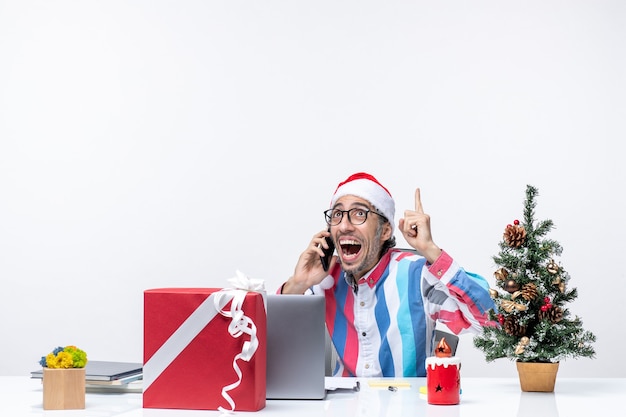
point(367, 187)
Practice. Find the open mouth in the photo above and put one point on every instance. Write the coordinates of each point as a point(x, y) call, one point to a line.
point(350, 249)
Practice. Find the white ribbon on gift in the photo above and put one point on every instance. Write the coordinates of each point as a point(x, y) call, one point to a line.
point(206, 311)
point(240, 324)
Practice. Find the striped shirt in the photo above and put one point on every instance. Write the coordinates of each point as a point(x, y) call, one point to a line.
point(386, 328)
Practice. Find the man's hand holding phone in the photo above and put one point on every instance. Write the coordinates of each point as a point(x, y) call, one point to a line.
point(308, 272)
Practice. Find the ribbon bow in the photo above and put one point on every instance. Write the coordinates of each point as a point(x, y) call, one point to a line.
point(242, 282)
point(240, 324)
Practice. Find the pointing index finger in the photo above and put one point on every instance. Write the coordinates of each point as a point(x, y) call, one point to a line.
point(418, 201)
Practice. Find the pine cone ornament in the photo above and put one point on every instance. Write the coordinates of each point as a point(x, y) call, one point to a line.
point(553, 314)
point(529, 291)
point(514, 235)
point(512, 327)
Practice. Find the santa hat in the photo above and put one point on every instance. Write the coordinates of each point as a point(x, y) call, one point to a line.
point(367, 187)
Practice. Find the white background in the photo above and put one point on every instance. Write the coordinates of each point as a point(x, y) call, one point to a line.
point(148, 144)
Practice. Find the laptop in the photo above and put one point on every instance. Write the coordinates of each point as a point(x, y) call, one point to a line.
point(106, 371)
point(296, 347)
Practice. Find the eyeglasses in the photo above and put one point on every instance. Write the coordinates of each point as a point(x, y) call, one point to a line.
point(356, 216)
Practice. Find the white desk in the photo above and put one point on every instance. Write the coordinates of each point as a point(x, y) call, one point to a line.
point(481, 397)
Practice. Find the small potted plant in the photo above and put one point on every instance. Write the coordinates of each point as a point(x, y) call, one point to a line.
point(536, 329)
point(64, 378)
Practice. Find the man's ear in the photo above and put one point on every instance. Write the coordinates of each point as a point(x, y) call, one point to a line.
point(387, 231)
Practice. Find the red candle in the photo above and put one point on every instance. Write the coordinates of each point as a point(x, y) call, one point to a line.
point(443, 379)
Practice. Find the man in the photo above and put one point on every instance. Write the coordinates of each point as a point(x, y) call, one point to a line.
point(382, 303)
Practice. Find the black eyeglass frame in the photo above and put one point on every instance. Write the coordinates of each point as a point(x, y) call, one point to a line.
point(329, 218)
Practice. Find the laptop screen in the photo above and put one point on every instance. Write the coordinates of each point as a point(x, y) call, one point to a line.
point(296, 342)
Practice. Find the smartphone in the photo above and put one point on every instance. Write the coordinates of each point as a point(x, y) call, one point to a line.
point(328, 253)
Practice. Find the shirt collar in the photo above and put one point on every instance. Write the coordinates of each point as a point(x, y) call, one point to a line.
point(371, 278)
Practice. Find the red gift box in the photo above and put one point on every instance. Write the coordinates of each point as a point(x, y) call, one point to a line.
point(191, 361)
